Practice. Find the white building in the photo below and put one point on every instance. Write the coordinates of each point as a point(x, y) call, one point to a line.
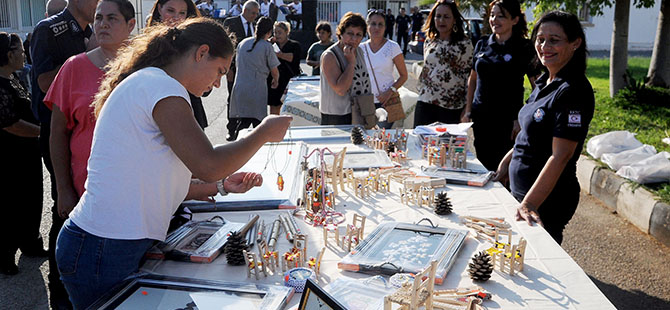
point(20, 16)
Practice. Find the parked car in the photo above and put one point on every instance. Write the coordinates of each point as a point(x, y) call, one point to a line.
point(473, 29)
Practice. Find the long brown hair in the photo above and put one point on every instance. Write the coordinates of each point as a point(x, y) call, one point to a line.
point(155, 18)
point(457, 31)
point(160, 46)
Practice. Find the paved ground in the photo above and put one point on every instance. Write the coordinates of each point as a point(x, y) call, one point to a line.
point(628, 266)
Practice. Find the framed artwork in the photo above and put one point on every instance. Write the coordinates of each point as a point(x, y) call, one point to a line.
point(199, 242)
point(315, 298)
point(363, 160)
point(359, 294)
point(162, 292)
point(271, 160)
point(460, 176)
point(395, 247)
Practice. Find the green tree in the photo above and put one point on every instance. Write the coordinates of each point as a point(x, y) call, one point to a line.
point(659, 68)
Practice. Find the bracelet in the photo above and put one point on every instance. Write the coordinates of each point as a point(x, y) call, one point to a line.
point(220, 188)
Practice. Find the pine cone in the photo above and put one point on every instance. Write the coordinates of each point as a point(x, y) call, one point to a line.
point(443, 204)
point(481, 266)
point(236, 243)
point(357, 135)
point(391, 147)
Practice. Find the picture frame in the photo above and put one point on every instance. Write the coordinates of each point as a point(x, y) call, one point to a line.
point(395, 247)
point(315, 298)
point(363, 160)
point(198, 242)
point(287, 157)
point(166, 292)
point(359, 294)
point(460, 176)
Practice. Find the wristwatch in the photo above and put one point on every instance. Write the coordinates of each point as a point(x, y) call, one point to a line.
point(220, 188)
point(394, 89)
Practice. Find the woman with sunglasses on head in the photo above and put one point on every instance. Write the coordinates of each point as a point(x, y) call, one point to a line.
point(171, 13)
point(146, 145)
point(289, 57)
point(542, 165)
point(447, 55)
point(255, 60)
point(22, 189)
point(495, 86)
point(70, 97)
point(343, 72)
point(381, 57)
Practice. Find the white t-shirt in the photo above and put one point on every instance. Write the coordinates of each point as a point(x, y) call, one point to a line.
point(382, 62)
point(135, 181)
point(265, 9)
point(297, 7)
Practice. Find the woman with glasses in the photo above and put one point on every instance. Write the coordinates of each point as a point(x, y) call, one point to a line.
point(70, 97)
point(542, 165)
point(495, 86)
point(20, 161)
point(381, 57)
point(343, 72)
point(447, 55)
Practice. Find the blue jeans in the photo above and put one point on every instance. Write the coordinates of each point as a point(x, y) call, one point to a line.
point(90, 265)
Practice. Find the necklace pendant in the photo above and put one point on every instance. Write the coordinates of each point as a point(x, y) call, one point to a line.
point(280, 182)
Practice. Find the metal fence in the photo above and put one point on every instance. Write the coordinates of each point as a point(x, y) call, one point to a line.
point(328, 11)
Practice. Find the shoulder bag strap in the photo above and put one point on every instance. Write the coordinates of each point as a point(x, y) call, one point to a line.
point(367, 48)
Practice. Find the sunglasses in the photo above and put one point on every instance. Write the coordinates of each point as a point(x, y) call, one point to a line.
point(376, 11)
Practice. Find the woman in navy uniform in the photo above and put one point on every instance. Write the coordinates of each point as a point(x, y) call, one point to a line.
point(495, 86)
point(554, 122)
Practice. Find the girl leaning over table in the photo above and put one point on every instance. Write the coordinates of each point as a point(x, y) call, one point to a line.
point(495, 86)
point(542, 165)
point(138, 176)
point(381, 57)
point(447, 55)
point(343, 72)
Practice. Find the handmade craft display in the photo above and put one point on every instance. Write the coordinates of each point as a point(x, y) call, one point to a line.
point(395, 247)
point(237, 243)
point(363, 159)
point(459, 176)
point(508, 257)
point(297, 255)
point(279, 164)
point(163, 292)
point(315, 298)
point(460, 299)
point(297, 278)
point(354, 233)
point(317, 199)
point(382, 139)
point(199, 242)
point(254, 265)
point(321, 134)
point(315, 263)
point(270, 258)
point(417, 293)
point(417, 191)
point(485, 227)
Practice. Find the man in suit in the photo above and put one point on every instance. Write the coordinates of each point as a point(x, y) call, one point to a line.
point(242, 27)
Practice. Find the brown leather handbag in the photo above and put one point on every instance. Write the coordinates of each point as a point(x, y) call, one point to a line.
point(393, 105)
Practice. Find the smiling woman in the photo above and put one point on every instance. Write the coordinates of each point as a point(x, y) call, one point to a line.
point(172, 12)
point(146, 146)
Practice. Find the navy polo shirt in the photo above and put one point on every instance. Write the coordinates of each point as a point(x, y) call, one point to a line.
point(403, 23)
point(563, 109)
point(500, 70)
point(417, 21)
point(55, 39)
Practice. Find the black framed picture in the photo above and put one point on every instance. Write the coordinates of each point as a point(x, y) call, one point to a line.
point(164, 292)
point(315, 298)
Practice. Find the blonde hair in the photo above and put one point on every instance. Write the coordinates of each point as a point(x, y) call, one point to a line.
point(284, 25)
point(160, 46)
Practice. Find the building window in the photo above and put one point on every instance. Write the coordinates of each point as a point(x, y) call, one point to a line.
point(584, 14)
point(328, 11)
point(7, 14)
point(377, 4)
point(32, 11)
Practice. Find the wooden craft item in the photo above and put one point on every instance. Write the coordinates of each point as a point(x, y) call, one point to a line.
point(254, 265)
point(274, 234)
point(287, 227)
point(460, 299)
point(354, 232)
point(508, 257)
point(418, 293)
point(331, 231)
point(269, 257)
point(335, 172)
point(315, 263)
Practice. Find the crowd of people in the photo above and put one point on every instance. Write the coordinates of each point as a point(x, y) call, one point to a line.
point(118, 120)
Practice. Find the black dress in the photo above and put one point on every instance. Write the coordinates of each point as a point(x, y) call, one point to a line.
point(287, 70)
point(21, 189)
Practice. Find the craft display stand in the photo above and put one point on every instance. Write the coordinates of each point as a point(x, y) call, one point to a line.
point(319, 202)
point(381, 140)
point(418, 293)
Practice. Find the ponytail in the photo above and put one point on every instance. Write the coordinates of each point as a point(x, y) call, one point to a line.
point(263, 27)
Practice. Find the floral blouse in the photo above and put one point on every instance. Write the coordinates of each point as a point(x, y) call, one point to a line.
point(445, 73)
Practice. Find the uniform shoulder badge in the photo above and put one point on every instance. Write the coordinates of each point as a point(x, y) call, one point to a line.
point(59, 28)
point(539, 115)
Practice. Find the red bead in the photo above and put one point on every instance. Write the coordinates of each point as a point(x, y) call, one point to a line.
point(144, 293)
point(289, 152)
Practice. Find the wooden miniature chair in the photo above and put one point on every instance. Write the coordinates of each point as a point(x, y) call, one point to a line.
point(354, 232)
point(335, 172)
point(331, 230)
point(315, 262)
point(418, 293)
point(269, 258)
point(253, 265)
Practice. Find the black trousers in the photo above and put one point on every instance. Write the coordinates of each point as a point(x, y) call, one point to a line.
point(403, 40)
point(557, 210)
point(244, 123)
point(389, 32)
point(22, 191)
point(493, 139)
point(232, 125)
point(428, 113)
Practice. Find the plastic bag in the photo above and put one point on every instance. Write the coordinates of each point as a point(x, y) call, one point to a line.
point(654, 169)
point(612, 142)
point(625, 158)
